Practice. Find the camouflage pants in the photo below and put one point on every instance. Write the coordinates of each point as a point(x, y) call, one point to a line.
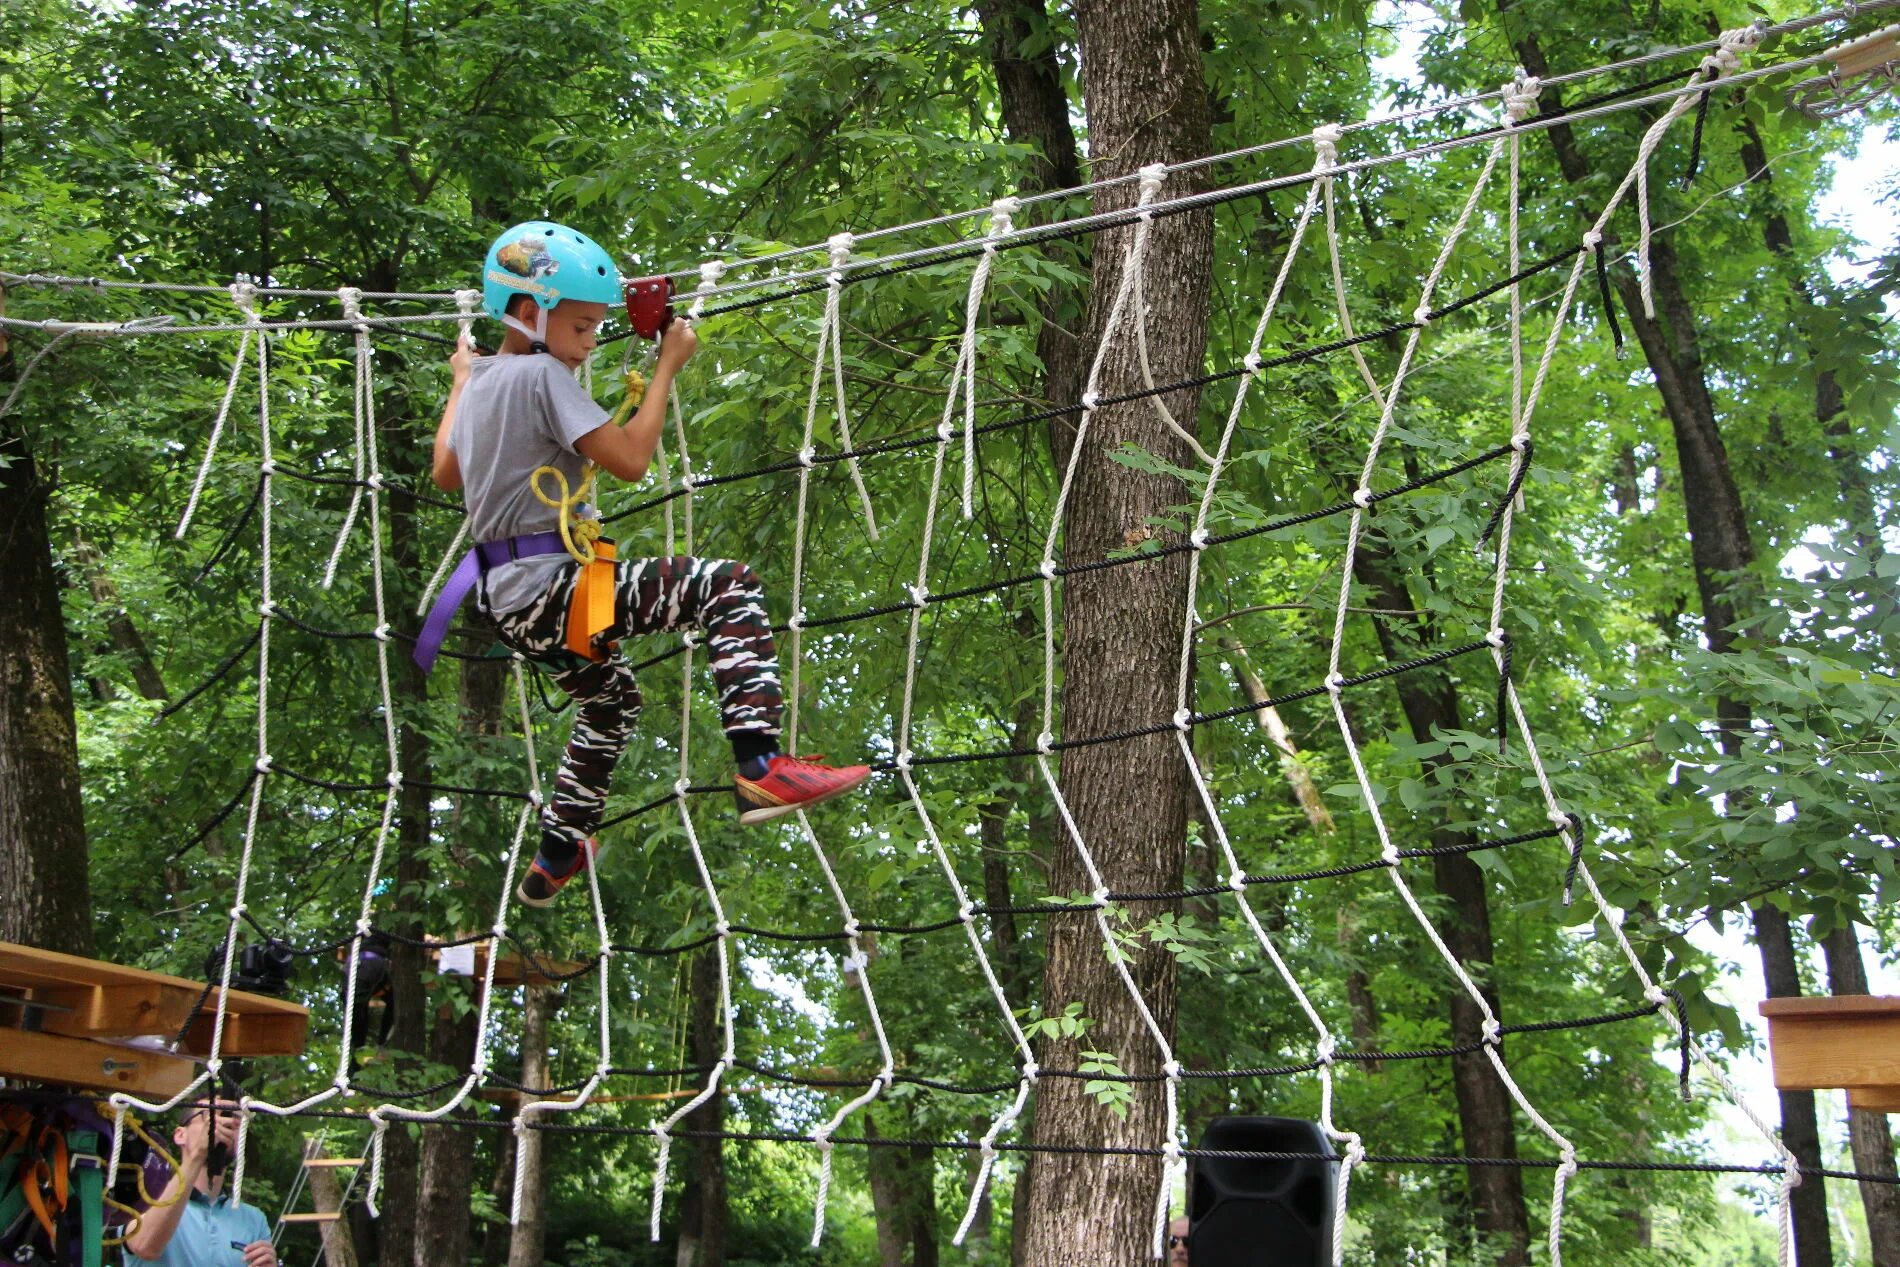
point(719, 596)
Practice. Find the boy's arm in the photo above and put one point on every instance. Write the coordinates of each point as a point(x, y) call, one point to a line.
point(624, 451)
point(445, 469)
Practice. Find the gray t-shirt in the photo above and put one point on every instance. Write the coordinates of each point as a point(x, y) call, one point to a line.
point(518, 413)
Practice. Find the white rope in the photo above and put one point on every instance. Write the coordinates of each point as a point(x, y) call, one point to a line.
point(146, 325)
point(1134, 263)
point(966, 910)
point(964, 373)
point(1490, 1026)
point(352, 303)
point(832, 332)
point(244, 295)
point(1325, 141)
point(1155, 400)
point(1718, 65)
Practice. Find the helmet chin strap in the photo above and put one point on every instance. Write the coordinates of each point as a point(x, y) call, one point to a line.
point(537, 333)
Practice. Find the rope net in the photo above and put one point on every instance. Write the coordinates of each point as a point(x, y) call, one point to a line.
point(960, 547)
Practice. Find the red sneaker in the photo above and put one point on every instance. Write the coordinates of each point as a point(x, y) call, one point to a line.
point(792, 783)
point(540, 885)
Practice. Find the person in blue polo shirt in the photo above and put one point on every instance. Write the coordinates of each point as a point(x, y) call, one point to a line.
point(207, 1229)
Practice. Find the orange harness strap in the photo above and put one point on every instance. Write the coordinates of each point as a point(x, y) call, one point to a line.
point(592, 607)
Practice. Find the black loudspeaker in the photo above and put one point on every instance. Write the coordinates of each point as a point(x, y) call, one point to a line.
point(1253, 1212)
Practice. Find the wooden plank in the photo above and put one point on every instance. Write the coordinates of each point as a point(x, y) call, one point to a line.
point(1874, 1099)
point(1834, 1041)
point(1825, 1005)
point(106, 1000)
point(93, 1066)
point(321, 1216)
point(513, 969)
point(325, 1163)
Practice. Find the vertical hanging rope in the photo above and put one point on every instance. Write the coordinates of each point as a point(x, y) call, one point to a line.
point(351, 300)
point(963, 375)
point(1325, 158)
point(244, 296)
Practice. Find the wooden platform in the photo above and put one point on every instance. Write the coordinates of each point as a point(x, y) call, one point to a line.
point(56, 1009)
point(511, 969)
point(1846, 1041)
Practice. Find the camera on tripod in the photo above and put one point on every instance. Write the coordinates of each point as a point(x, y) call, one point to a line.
point(259, 969)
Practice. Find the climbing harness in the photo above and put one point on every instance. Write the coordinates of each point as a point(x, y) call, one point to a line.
point(591, 607)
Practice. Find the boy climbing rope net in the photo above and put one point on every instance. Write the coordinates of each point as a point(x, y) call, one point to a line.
point(522, 439)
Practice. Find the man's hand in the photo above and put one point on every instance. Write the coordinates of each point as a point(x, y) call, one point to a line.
point(260, 1254)
point(678, 342)
point(460, 360)
point(198, 1136)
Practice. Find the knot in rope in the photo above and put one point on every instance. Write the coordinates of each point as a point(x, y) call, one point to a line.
point(1183, 718)
point(1328, 1045)
point(578, 535)
point(709, 274)
point(1326, 147)
point(840, 244)
point(1592, 240)
point(1151, 177)
point(1031, 1071)
point(244, 295)
point(1520, 96)
point(1489, 1031)
point(1002, 216)
point(466, 301)
point(351, 298)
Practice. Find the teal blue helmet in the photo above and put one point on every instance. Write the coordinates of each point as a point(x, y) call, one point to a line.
point(551, 262)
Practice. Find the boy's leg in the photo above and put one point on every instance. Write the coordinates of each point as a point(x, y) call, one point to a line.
point(725, 599)
point(607, 702)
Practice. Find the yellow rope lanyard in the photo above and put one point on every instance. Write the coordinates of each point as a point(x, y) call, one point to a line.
point(131, 1226)
point(577, 534)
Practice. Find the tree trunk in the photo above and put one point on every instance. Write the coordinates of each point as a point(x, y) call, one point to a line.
point(1121, 632)
point(1869, 1138)
point(904, 1200)
point(703, 1207)
point(1429, 699)
point(528, 1246)
point(46, 900)
point(126, 639)
point(326, 1195)
point(1800, 1128)
point(448, 1156)
point(501, 1191)
point(1723, 555)
point(1035, 110)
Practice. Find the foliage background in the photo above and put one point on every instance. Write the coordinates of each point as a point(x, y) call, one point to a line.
point(382, 144)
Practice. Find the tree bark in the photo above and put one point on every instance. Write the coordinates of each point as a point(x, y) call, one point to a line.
point(1035, 109)
point(46, 900)
point(528, 1246)
point(326, 1194)
point(1121, 629)
point(448, 1156)
point(1869, 1138)
point(126, 639)
point(1800, 1127)
point(904, 1201)
point(703, 1207)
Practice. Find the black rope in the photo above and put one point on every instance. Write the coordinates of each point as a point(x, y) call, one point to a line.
point(232, 533)
point(1504, 689)
point(1297, 356)
point(1520, 468)
point(1695, 139)
point(1685, 1042)
point(1609, 304)
point(224, 666)
point(1573, 826)
point(217, 819)
point(974, 1145)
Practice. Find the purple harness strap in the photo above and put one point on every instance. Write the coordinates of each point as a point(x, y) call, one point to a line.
point(474, 564)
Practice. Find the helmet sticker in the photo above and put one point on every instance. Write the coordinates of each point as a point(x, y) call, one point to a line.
point(528, 257)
